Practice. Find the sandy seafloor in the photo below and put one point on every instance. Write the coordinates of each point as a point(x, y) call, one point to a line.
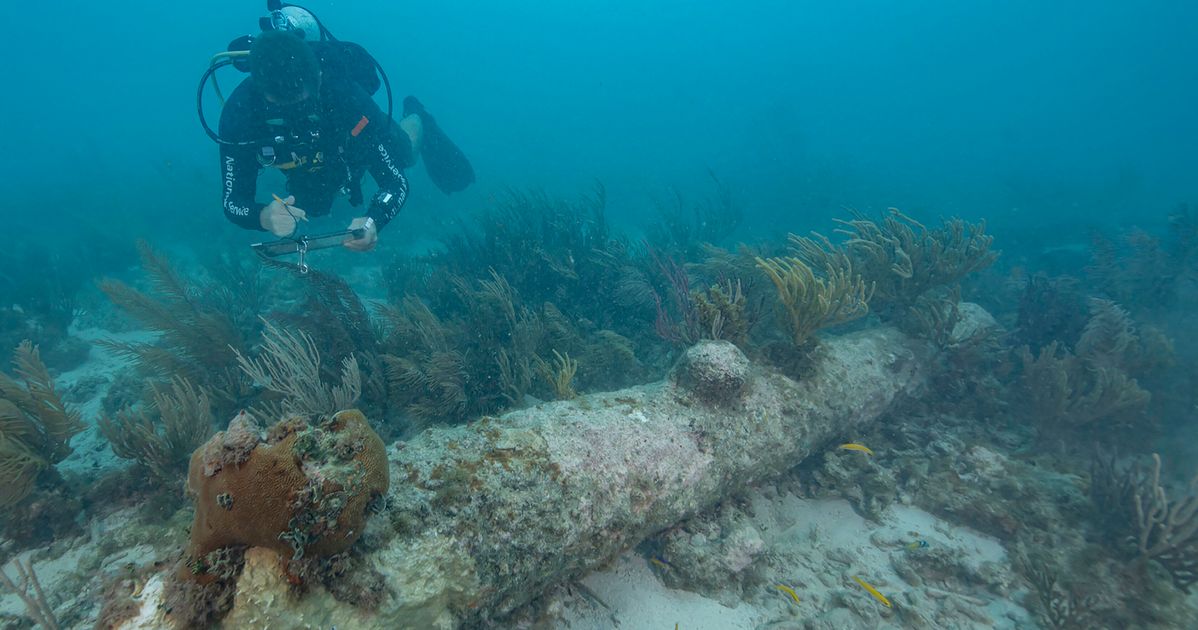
point(90, 451)
point(832, 542)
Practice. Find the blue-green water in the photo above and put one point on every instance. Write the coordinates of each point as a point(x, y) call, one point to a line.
point(1013, 111)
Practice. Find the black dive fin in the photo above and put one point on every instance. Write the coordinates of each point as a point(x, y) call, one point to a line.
point(445, 163)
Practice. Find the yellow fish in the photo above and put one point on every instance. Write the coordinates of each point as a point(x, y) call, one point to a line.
point(789, 591)
point(660, 563)
point(853, 446)
point(873, 591)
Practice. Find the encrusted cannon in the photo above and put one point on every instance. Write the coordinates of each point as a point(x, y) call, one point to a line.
point(483, 518)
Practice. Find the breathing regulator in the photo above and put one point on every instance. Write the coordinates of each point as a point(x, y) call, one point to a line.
point(303, 23)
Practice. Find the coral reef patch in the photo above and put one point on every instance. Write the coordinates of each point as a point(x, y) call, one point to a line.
point(302, 490)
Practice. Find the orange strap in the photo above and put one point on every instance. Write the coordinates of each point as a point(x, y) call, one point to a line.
point(359, 127)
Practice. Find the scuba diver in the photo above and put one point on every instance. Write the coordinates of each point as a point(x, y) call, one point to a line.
point(307, 109)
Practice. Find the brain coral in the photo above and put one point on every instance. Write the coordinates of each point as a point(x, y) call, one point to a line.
point(303, 490)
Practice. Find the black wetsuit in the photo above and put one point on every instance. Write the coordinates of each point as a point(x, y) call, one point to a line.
point(342, 134)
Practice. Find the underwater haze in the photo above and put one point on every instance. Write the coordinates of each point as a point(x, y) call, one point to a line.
point(1011, 110)
point(710, 314)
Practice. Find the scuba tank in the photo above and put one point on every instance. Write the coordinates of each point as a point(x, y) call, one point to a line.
point(342, 58)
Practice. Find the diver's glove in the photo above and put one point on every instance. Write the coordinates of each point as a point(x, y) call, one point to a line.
point(370, 235)
point(280, 217)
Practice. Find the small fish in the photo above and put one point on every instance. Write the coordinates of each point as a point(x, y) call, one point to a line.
point(917, 544)
point(873, 591)
point(789, 591)
point(660, 563)
point(853, 446)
